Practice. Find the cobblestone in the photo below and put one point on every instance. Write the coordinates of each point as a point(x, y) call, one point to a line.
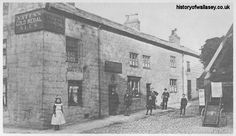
point(167, 123)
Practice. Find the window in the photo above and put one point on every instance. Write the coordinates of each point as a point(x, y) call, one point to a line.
point(133, 59)
point(4, 53)
point(172, 62)
point(72, 49)
point(146, 61)
point(188, 66)
point(5, 8)
point(74, 93)
point(173, 85)
point(4, 92)
point(134, 85)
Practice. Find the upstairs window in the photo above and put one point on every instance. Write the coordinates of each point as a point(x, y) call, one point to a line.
point(5, 8)
point(4, 53)
point(188, 66)
point(72, 49)
point(172, 62)
point(133, 59)
point(146, 61)
point(173, 85)
point(74, 93)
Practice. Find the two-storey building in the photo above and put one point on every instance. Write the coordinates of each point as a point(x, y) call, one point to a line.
point(57, 49)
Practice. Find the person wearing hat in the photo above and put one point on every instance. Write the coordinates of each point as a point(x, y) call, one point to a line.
point(165, 97)
point(154, 95)
point(57, 117)
point(127, 102)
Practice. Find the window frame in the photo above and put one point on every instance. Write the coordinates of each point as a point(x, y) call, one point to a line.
point(133, 59)
point(172, 61)
point(173, 85)
point(4, 53)
point(75, 83)
point(72, 50)
point(188, 66)
point(5, 92)
point(133, 84)
point(146, 62)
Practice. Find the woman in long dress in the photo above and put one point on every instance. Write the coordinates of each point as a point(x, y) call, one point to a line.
point(57, 117)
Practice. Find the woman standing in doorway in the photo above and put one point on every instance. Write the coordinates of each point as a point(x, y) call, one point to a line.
point(58, 117)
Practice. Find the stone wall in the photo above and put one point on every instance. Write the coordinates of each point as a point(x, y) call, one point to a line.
point(116, 48)
point(24, 71)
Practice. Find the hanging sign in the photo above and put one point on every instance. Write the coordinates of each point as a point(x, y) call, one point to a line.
point(216, 89)
point(113, 67)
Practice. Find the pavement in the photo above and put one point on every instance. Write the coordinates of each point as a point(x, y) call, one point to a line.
point(98, 123)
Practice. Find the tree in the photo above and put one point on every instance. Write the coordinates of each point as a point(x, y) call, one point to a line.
point(208, 50)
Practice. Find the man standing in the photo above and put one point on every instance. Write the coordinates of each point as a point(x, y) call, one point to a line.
point(127, 102)
point(114, 102)
point(184, 102)
point(165, 97)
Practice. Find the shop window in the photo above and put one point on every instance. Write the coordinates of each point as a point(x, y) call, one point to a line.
point(188, 66)
point(172, 62)
point(4, 92)
point(74, 93)
point(72, 49)
point(173, 85)
point(134, 85)
point(133, 59)
point(146, 61)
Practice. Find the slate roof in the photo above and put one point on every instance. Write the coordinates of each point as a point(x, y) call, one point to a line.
point(111, 24)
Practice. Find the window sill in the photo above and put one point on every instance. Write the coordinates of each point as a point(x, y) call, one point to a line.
point(136, 98)
point(75, 106)
point(72, 62)
point(133, 66)
point(147, 68)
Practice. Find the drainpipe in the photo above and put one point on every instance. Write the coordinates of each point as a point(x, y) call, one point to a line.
point(183, 72)
point(99, 72)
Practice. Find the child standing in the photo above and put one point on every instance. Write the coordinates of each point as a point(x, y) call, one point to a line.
point(184, 102)
point(149, 105)
point(57, 117)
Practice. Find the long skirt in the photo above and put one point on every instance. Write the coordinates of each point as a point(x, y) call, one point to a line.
point(58, 119)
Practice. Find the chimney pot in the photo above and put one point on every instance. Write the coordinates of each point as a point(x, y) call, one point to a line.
point(174, 38)
point(132, 21)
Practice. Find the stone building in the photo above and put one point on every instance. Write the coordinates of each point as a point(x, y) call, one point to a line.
point(57, 49)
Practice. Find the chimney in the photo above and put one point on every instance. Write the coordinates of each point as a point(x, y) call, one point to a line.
point(132, 21)
point(174, 38)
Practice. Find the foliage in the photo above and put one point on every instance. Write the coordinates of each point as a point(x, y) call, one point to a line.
point(208, 50)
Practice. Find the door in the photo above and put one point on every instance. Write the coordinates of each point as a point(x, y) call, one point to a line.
point(111, 107)
point(148, 89)
point(189, 89)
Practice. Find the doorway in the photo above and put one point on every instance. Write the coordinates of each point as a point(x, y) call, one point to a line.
point(148, 89)
point(110, 99)
point(189, 88)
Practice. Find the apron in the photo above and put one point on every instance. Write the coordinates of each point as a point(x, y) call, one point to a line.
point(59, 118)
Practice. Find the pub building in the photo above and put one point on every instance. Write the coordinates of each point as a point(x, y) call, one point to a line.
point(57, 49)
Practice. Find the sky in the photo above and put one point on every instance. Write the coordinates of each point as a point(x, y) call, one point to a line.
point(194, 27)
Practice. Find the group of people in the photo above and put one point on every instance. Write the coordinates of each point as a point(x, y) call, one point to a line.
point(58, 117)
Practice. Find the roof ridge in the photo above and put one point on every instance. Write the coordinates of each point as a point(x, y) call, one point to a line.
point(104, 21)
